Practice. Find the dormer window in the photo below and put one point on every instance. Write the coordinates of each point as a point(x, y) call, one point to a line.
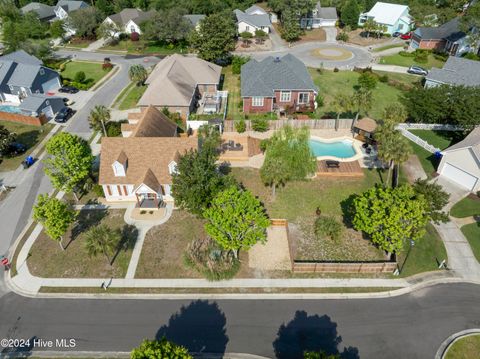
point(172, 167)
point(120, 165)
point(42, 71)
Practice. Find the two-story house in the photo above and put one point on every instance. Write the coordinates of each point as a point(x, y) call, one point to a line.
point(129, 20)
point(66, 7)
point(277, 84)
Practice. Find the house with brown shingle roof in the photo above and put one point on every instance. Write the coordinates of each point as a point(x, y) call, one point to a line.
point(138, 167)
point(181, 84)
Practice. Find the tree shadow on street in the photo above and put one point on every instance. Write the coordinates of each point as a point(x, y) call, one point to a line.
point(312, 333)
point(199, 327)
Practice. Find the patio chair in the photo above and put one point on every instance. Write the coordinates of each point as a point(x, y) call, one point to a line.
point(333, 164)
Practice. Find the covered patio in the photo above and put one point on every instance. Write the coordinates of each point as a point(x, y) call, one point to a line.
point(146, 196)
point(364, 129)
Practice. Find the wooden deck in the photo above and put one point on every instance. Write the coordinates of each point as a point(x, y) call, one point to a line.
point(345, 169)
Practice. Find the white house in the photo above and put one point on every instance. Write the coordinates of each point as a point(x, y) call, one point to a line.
point(64, 8)
point(254, 18)
point(395, 17)
point(461, 162)
point(129, 20)
point(320, 17)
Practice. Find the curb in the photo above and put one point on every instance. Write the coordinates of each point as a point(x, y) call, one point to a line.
point(106, 354)
point(447, 343)
point(106, 78)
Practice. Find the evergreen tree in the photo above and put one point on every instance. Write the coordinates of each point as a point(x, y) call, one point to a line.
point(350, 14)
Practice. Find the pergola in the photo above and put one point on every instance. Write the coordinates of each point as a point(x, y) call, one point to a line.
point(365, 128)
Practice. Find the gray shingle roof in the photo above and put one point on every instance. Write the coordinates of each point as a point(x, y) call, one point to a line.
point(254, 20)
point(449, 31)
point(329, 13)
point(21, 56)
point(71, 5)
point(471, 141)
point(124, 16)
point(5, 67)
point(43, 11)
point(24, 75)
point(285, 73)
point(457, 71)
point(254, 8)
point(194, 18)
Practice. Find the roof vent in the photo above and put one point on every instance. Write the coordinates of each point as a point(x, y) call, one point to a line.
point(277, 59)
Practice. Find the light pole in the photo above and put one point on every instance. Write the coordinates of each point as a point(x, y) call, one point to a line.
point(412, 244)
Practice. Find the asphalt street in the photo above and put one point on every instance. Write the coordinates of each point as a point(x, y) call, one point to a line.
point(408, 326)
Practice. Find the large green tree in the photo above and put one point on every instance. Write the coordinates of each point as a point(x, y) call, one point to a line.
point(137, 74)
point(290, 30)
point(103, 240)
point(167, 25)
point(350, 13)
point(99, 117)
point(6, 138)
point(236, 220)
point(54, 215)
point(470, 24)
point(436, 199)
point(160, 349)
point(69, 162)
point(85, 21)
point(391, 216)
point(215, 37)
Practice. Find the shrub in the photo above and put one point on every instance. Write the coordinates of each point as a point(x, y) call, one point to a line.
point(240, 126)
point(80, 77)
point(240, 104)
point(406, 54)
point(260, 124)
point(107, 66)
point(320, 101)
point(326, 226)
point(342, 36)
point(237, 62)
point(134, 36)
point(336, 69)
point(113, 129)
point(61, 68)
point(98, 190)
point(470, 56)
point(264, 144)
point(383, 78)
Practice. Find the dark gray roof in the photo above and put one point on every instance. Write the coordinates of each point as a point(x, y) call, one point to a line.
point(71, 5)
point(32, 103)
point(24, 75)
point(457, 71)
point(5, 67)
point(194, 18)
point(124, 16)
point(254, 20)
point(43, 11)
point(448, 31)
point(285, 73)
point(21, 56)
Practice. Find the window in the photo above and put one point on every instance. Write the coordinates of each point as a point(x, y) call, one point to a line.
point(109, 190)
point(285, 96)
point(303, 97)
point(172, 167)
point(257, 101)
point(400, 26)
point(47, 103)
point(247, 28)
point(132, 28)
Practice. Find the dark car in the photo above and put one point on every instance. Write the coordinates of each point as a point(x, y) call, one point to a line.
point(63, 115)
point(417, 70)
point(68, 89)
point(396, 34)
point(16, 148)
point(406, 36)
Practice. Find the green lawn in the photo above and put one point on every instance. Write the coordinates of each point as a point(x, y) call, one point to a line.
point(130, 95)
point(145, 47)
point(29, 135)
point(405, 61)
point(465, 348)
point(93, 71)
point(440, 139)
point(472, 233)
point(425, 256)
point(467, 207)
point(331, 83)
point(387, 47)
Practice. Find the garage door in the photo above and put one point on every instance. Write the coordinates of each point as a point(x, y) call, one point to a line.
point(459, 176)
point(47, 111)
point(51, 85)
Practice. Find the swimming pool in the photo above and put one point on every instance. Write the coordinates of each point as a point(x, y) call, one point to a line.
point(339, 149)
point(10, 109)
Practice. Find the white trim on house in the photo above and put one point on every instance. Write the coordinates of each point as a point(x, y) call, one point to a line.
point(303, 93)
point(258, 101)
point(285, 96)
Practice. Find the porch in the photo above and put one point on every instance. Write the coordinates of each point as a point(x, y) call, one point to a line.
point(149, 201)
point(212, 102)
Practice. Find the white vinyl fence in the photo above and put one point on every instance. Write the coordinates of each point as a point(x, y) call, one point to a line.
point(419, 141)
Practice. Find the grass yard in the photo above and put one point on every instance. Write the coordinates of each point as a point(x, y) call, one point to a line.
point(29, 135)
point(145, 47)
point(93, 71)
point(231, 83)
point(425, 256)
point(331, 83)
point(130, 95)
point(440, 139)
point(313, 35)
point(472, 233)
point(467, 207)
point(47, 259)
point(406, 61)
point(464, 348)
point(388, 47)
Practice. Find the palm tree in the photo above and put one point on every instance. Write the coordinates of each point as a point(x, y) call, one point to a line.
point(341, 103)
point(98, 117)
point(362, 100)
point(137, 74)
point(274, 172)
point(102, 240)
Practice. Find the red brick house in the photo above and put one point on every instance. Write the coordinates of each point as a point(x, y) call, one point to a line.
point(277, 84)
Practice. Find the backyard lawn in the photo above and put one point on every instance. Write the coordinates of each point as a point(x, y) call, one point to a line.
point(28, 135)
point(129, 96)
point(406, 61)
point(331, 83)
point(467, 207)
point(472, 233)
point(465, 348)
point(47, 259)
point(439, 139)
point(93, 71)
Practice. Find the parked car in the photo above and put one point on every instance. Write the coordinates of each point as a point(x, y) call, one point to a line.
point(396, 34)
point(68, 89)
point(63, 115)
point(417, 70)
point(16, 148)
point(406, 36)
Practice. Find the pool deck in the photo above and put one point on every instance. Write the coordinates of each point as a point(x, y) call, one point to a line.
point(344, 169)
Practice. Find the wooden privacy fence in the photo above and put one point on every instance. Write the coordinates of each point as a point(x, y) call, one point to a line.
point(323, 124)
point(28, 120)
point(344, 267)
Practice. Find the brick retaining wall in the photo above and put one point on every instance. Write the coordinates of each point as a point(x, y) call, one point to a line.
point(339, 267)
point(28, 120)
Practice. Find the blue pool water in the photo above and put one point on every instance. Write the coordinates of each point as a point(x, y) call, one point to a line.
point(10, 109)
point(340, 149)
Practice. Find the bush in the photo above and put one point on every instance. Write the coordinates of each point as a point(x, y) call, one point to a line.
point(471, 56)
point(240, 126)
point(61, 68)
point(336, 69)
point(383, 78)
point(107, 66)
point(320, 101)
point(113, 129)
point(134, 36)
point(240, 104)
point(342, 36)
point(264, 144)
point(326, 226)
point(237, 62)
point(98, 190)
point(406, 54)
point(260, 124)
point(80, 77)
